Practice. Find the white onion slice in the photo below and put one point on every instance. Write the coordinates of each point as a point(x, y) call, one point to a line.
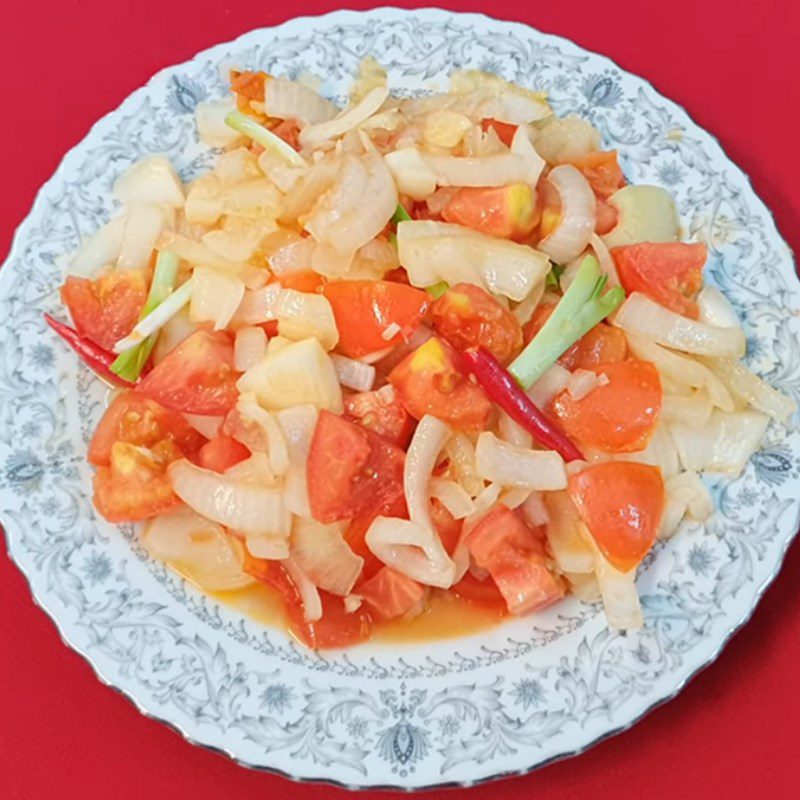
point(512, 432)
point(215, 297)
point(211, 126)
point(715, 309)
point(461, 453)
point(143, 226)
point(693, 409)
point(452, 496)
point(349, 118)
point(660, 452)
point(413, 549)
point(503, 463)
point(257, 305)
point(584, 586)
point(354, 374)
point(620, 598)
point(642, 315)
point(497, 170)
point(272, 548)
point(571, 550)
point(583, 381)
point(685, 495)
point(325, 557)
point(99, 250)
point(578, 215)
point(206, 425)
point(304, 314)
point(549, 385)
point(535, 510)
point(312, 604)
point(298, 424)
point(285, 99)
point(151, 180)
point(411, 172)
point(514, 497)
point(428, 440)
point(249, 347)
point(646, 214)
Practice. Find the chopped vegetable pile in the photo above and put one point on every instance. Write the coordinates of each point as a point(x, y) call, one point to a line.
point(407, 350)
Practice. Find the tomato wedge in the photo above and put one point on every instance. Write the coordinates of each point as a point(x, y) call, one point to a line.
point(197, 377)
point(105, 310)
point(390, 594)
point(671, 273)
point(383, 413)
point(352, 472)
point(364, 309)
point(607, 217)
point(428, 382)
point(481, 593)
point(506, 212)
point(504, 130)
point(448, 528)
point(616, 418)
point(221, 453)
point(135, 419)
point(468, 316)
point(602, 170)
point(135, 485)
point(621, 503)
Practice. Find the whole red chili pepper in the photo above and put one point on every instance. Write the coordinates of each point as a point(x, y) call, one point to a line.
point(96, 357)
point(502, 389)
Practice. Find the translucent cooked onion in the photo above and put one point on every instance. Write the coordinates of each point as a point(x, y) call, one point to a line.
point(578, 215)
point(660, 452)
point(143, 226)
point(260, 432)
point(298, 424)
point(172, 333)
point(724, 444)
point(646, 214)
point(497, 170)
point(204, 201)
point(151, 180)
point(571, 550)
point(346, 120)
point(241, 506)
point(304, 314)
point(354, 374)
point(583, 381)
point(684, 495)
point(428, 440)
point(514, 496)
point(535, 510)
point(715, 309)
point(325, 557)
point(584, 586)
point(566, 139)
point(99, 250)
point(272, 548)
point(314, 182)
point(512, 432)
point(549, 385)
point(452, 496)
point(642, 315)
point(257, 305)
point(411, 172)
point(215, 297)
point(503, 463)
point(413, 549)
point(693, 409)
point(249, 347)
point(197, 548)
point(257, 471)
point(461, 452)
point(211, 126)
point(618, 592)
point(205, 425)
point(286, 99)
point(294, 256)
point(309, 596)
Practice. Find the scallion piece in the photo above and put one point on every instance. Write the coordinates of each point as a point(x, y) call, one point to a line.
point(247, 126)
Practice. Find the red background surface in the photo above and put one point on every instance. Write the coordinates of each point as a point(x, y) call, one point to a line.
point(734, 732)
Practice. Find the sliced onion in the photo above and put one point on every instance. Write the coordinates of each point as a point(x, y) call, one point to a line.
point(307, 190)
point(498, 170)
point(151, 180)
point(525, 308)
point(312, 604)
point(512, 432)
point(172, 333)
point(298, 424)
point(257, 305)
point(522, 148)
point(620, 599)
point(99, 250)
point(346, 120)
point(514, 497)
point(567, 138)
point(352, 603)
point(715, 309)
point(264, 434)
point(411, 172)
point(549, 385)
point(272, 548)
point(205, 425)
point(461, 453)
point(578, 215)
point(535, 510)
point(642, 315)
point(250, 346)
point(428, 440)
point(211, 126)
point(646, 214)
point(240, 506)
point(354, 374)
point(256, 470)
point(607, 265)
point(571, 550)
point(204, 201)
point(286, 99)
point(724, 444)
point(413, 549)
point(752, 390)
point(583, 381)
point(304, 314)
point(503, 463)
point(197, 548)
point(325, 557)
point(660, 452)
point(215, 297)
point(143, 226)
point(452, 496)
point(483, 503)
point(685, 495)
point(693, 409)
point(683, 370)
point(196, 253)
point(584, 586)
point(294, 256)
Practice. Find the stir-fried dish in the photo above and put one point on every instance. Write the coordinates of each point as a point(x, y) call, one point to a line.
point(405, 350)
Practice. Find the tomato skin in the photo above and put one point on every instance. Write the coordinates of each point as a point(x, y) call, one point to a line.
point(383, 413)
point(505, 212)
point(621, 503)
point(364, 309)
point(221, 453)
point(135, 419)
point(289, 131)
point(352, 472)
point(135, 485)
point(482, 593)
point(390, 594)
point(197, 377)
point(105, 310)
point(671, 273)
point(602, 170)
point(504, 130)
point(468, 316)
point(600, 345)
point(616, 418)
point(427, 381)
point(607, 217)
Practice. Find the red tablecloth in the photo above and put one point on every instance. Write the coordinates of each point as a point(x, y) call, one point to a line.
point(734, 732)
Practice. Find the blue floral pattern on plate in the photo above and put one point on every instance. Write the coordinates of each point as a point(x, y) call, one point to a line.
point(450, 712)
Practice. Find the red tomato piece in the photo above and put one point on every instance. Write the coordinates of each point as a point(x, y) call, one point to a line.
point(602, 170)
point(447, 526)
point(468, 316)
point(383, 413)
point(364, 309)
point(135, 419)
point(135, 485)
point(601, 345)
point(501, 526)
point(607, 217)
point(197, 377)
point(428, 382)
point(352, 471)
point(616, 418)
point(289, 131)
point(105, 310)
point(482, 593)
point(390, 594)
point(621, 503)
point(304, 280)
point(504, 130)
point(221, 453)
point(506, 212)
point(671, 273)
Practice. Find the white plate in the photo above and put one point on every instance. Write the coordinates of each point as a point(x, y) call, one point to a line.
point(452, 712)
